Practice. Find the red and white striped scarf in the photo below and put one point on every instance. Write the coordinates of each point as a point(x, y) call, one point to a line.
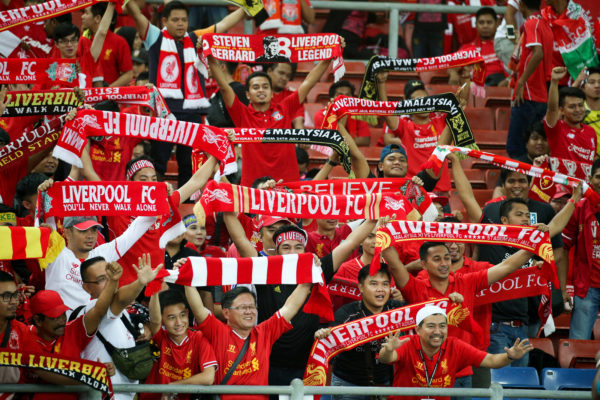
point(169, 74)
point(290, 269)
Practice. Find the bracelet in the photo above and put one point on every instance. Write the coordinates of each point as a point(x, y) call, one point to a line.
point(333, 163)
point(571, 201)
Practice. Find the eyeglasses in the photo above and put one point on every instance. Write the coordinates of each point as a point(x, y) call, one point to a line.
point(97, 281)
point(8, 297)
point(244, 308)
point(65, 41)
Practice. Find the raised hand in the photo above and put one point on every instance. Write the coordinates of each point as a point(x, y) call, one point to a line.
point(114, 271)
point(558, 73)
point(519, 349)
point(392, 341)
point(145, 273)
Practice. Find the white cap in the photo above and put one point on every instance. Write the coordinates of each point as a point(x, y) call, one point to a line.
point(427, 311)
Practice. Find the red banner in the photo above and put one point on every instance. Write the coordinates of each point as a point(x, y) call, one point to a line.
point(40, 71)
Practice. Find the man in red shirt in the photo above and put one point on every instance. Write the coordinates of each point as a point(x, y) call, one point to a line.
point(568, 137)
point(261, 159)
point(240, 312)
point(281, 74)
point(431, 358)
point(328, 236)
point(533, 71)
point(115, 56)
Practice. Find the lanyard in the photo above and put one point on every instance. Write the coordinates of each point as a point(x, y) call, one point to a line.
point(427, 378)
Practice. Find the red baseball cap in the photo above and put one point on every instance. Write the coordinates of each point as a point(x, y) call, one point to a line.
point(268, 220)
point(559, 195)
point(48, 303)
point(443, 200)
point(81, 223)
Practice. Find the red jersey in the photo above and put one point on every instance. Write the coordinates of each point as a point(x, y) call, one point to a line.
point(8, 183)
point(321, 245)
point(179, 361)
point(349, 269)
point(115, 57)
point(536, 32)
point(34, 35)
point(110, 156)
point(493, 65)
point(454, 355)
point(416, 291)
point(207, 250)
point(253, 369)
point(20, 339)
point(419, 141)
point(577, 144)
point(273, 159)
point(355, 127)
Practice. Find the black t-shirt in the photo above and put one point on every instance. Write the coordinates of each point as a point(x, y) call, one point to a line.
point(218, 114)
point(291, 350)
point(353, 365)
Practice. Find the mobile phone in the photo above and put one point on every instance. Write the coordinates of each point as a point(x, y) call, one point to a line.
point(510, 32)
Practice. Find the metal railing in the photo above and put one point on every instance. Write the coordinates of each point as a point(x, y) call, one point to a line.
point(393, 8)
point(297, 391)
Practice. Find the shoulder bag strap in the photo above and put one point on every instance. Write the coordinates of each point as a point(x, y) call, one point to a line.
point(236, 362)
point(75, 313)
point(7, 335)
point(134, 332)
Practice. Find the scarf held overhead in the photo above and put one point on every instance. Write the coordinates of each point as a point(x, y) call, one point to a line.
point(446, 102)
point(326, 137)
point(285, 16)
point(544, 189)
point(39, 71)
point(290, 269)
point(368, 88)
point(105, 123)
point(23, 242)
point(225, 197)
point(274, 49)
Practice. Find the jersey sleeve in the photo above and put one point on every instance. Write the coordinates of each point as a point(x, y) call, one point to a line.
point(116, 248)
point(531, 34)
point(273, 328)
point(206, 353)
point(152, 35)
point(291, 105)
point(236, 111)
point(471, 356)
point(203, 31)
point(414, 291)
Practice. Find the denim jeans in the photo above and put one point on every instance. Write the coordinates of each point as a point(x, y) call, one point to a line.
point(502, 336)
point(426, 43)
point(337, 381)
point(584, 314)
point(521, 118)
point(463, 382)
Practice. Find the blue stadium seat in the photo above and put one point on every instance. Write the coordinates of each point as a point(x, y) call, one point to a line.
point(567, 378)
point(517, 377)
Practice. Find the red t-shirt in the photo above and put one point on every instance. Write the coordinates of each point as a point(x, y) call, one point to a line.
point(321, 245)
point(34, 35)
point(115, 57)
point(355, 127)
point(454, 355)
point(273, 159)
point(417, 290)
point(110, 156)
point(179, 361)
point(419, 141)
point(493, 65)
point(253, 369)
point(577, 144)
point(536, 32)
point(349, 269)
point(8, 183)
point(277, 97)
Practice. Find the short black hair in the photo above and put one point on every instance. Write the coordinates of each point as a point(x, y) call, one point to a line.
point(257, 74)
point(301, 156)
point(532, 4)
point(143, 76)
point(505, 173)
point(65, 29)
point(173, 5)
point(260, 180)
point(486, 11)
point(171, 297)
point(537, 127)
point(230, 296)
point(107, 105)
point(507, 206)
point(146, 146)
point(6, 277)
point(231, 66)
point(68, 18)
point(28, 184)
point(4, 208)
point(569, 92)
point(339, 84)
point(424, 249)
point(595, 166)
point(363, 273)
point(88, 263)
point(450, 218)
point(98, 9)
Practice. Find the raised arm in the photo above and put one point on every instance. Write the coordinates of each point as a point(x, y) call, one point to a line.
point(464, 189)
point(560, 220)
point(141, 22)
point(312, 78)
point(295, 301)
point(398, 270)
point(100, 35)
point(358, 235)
point(237, 234)
point(92, 318)
point(516, 352)
point(219, 77)
point(553, 112)
point(155, 315)
point(229, 21)
point(198, 180)
point(196, 305)
point(387, 354)
point(508, 266)
point(390, 120)
point(128, 293)
point(360, 166)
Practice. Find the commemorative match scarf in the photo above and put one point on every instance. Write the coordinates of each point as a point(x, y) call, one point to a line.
point(31, 142)
point(132, 95)
point(368, 88)
point(573, 37)
point(522, 237)
point(90, 373)
point(291, 269)
point(446, 102)
point(225, 197)
point(23, 242)
point(273, 49)
point(436, 160)
point(326, 137)
point(417, 196)
point(106, 123)
point(168, 78)
point(285, 16)
point(544, 189)
point(43, 102)
point(40, 71)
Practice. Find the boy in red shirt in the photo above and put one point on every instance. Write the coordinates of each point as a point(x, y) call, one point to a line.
point(568, 137)
point(533, 71)
point(186, 357)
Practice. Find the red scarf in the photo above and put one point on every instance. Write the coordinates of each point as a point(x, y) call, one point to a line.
point(105, 123)
point(41, 71)
point(232, 198)
point(134, 95)
point(288, 48)
point(417, 196)
point(292, 269)
point(31, 142)
point(284, 16)
point(168, 77)
point(23, 242)
point(43, 102)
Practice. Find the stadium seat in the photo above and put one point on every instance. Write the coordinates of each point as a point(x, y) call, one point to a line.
point(482, 196)
point(489, 139)
point(395, 89)
point(304, 67)
point(319, 94)
point(434, 77)
point(480, 118)
point(502, 118)
point(573, 353)
point(311, 109)
point(496, 96)
point(402, 76)
point(567, 378)
point(516, 377)
point(172, 170)
point(376, 134)
point(186, 209)
point(476, 177)
point(440, 88)
point(491, 178)
point(596, 329)
point(338, 172)
point(543, 344)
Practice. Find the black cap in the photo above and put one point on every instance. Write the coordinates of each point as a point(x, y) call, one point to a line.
point(140, 56)
point(412, 86)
